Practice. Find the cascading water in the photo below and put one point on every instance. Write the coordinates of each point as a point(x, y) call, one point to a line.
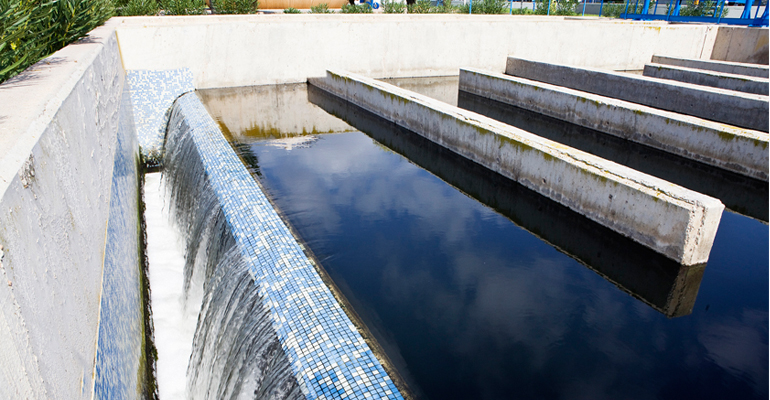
point(235, 353)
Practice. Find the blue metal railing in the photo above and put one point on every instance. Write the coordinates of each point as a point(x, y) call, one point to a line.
point(714, 13)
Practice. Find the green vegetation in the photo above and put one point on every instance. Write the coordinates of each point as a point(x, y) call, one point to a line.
point(356, 9)
point(232, 6)
point(137, 7)
point(393, 7)
point(33, 29)
point(486, 7)
point(184, 7)
point(292, 10)
point(322, 8)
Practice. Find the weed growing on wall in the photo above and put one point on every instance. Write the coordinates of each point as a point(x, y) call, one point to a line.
point(322, 8)
point(291, 10)
point(32, 29)
point(235, 6)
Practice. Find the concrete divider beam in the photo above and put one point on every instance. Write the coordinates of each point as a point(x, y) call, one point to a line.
point(701, 77)
point(674, 221)
point(734, 149)
point(730, 107)
point(727, 67)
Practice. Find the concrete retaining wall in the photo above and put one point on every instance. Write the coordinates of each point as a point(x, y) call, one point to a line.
point(741, 44)
point(735, 108)
point(719, 80)
point(669, 219)
point(58, 137)
point(756, 70)
point(734, 149)
point(225, 51)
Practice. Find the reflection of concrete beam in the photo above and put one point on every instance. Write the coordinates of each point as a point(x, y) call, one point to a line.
point(274, 111)
point(669, 219)
point(741, 194)
point(726, 106)
point(738, 150)
point(648, 276)
point(719, 80)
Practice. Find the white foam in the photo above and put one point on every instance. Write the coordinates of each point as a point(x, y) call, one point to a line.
point(174, 325)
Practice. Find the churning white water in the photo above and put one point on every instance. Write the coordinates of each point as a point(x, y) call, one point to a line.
point(174, 321)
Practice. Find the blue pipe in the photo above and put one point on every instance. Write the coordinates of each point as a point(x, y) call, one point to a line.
point(549, 8)
point(625, 14)
point(747, 9)
point(601, 6)
point(721, 9)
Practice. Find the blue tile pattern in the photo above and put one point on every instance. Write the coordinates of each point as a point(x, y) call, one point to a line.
point(152, 94)
point(120, 342)
point(329, 358)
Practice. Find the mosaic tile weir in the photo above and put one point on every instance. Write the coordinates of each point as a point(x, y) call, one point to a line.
point(152, 94)
point(329, 358)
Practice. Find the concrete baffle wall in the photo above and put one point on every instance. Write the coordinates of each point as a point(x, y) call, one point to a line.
point(65, 228)
point(674, 221)
point(719, 80)
point(727, 67)
point(743, 151)
point(734, 108)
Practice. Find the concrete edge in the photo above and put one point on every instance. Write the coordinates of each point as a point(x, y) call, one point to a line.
point(731, 148)
point(721, 80)
point(726, 106)
point(688, 243)
point(756, 70)
point(24, 115)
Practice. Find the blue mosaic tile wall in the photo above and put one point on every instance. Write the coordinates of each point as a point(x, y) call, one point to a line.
point(120, 342)
point(329, 358)
point(152, 94)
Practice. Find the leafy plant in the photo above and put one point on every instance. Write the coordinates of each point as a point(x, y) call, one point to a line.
point(419, 7)
point(183, 7)
point(356, 9)
point(32, 29)
point(292, 10)
point(393, 7)
point(702, 9)
point(566, 7)
point(138, 7)
point(486, 7)
point(522, 11)
point(322, 8)
point(234, 6)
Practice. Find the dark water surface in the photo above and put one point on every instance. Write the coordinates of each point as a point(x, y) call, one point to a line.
point(480, 289)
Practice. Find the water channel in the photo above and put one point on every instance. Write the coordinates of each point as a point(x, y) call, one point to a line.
point(477, 288)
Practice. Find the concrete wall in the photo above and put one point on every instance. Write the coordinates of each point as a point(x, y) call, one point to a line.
point(738, 150)
point(708, 78)
point(727, 106)
point(727, 67)
point(671, 220)
point(224, 51)
point(741, 44)
point(58, 134)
